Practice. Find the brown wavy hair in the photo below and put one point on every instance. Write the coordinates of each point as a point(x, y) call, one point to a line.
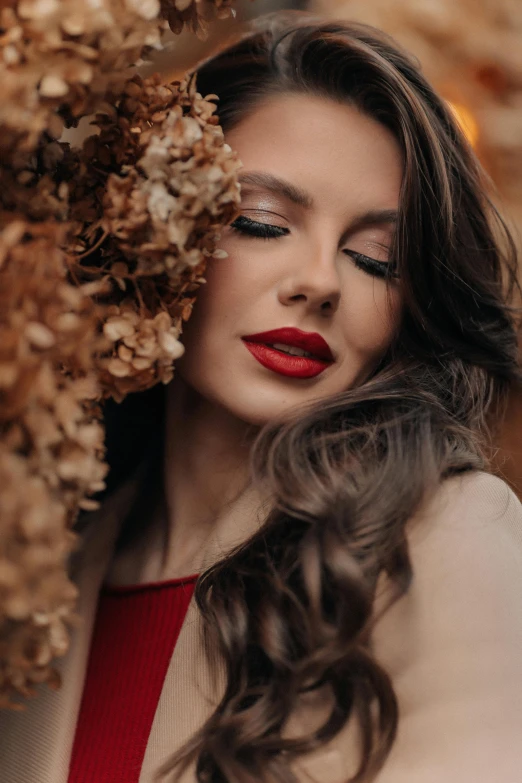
point(291, 610)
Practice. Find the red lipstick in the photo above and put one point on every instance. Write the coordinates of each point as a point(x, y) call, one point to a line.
point(261, 347)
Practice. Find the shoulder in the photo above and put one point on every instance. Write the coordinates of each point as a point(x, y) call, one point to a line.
point(473, 523)
point(465, 545)
point(468, 500)
point(452, 644)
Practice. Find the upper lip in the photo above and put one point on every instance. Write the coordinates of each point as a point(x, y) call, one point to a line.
point(289, 335)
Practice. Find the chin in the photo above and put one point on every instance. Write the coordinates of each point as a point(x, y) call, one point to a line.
point(254, 414)
point(241, 396)
point(248, 404)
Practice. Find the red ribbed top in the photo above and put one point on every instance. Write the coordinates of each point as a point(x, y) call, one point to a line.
point(134, 636)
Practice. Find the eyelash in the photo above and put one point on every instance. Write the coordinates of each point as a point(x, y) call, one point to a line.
point(253, 228)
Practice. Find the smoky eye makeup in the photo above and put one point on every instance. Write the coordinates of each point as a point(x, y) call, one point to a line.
point(255, 228)
point(384, 269)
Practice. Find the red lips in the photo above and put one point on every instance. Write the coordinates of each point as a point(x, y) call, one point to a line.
point(288, 335)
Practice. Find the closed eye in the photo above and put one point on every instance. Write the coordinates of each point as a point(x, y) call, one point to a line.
point(371, 266)
point(246, 226)
point(254, 228)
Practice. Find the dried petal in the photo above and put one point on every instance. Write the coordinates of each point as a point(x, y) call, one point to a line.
point(53, 86)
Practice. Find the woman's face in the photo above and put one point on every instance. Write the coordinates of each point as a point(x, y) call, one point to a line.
point(319, 192)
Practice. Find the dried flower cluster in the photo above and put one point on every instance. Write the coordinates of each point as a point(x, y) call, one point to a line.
point(157, 183)
point(51, 447)
point(101, 252)
point(59, 58)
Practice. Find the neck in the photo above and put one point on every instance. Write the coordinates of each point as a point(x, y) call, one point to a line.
point(206, 469)
point(208, 503)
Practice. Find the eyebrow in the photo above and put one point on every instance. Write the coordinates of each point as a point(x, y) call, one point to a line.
point(303, 199)
point(277, 185)
point(374, 217)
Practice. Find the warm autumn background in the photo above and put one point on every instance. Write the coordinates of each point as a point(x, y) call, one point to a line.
point(471, 50)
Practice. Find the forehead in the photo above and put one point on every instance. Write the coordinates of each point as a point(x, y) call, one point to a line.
point(339, 155)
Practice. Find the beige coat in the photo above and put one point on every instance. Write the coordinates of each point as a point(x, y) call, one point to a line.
point(453, 646)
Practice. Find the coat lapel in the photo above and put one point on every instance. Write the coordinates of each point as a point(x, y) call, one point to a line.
point(193, 686)
point(36, 743)
point(195, 679)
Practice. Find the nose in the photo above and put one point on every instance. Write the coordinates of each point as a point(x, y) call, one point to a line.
point(314, 280)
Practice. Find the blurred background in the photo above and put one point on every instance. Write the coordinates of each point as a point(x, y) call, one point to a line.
point(471, 50)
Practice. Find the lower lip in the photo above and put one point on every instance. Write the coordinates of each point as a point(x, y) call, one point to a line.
point(284, 363)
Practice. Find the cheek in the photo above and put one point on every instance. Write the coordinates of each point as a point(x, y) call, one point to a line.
point(219, 303)
point(370, 318)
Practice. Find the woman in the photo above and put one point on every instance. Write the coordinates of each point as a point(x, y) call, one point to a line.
point(319, 461)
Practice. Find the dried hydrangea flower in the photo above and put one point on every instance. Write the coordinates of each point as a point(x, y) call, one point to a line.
point(65, 56)
point(157, 184)
point(35, 542)
point(101, 252)
point(51, 452)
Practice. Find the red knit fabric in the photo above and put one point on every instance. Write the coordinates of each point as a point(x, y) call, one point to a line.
point(135, 633)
